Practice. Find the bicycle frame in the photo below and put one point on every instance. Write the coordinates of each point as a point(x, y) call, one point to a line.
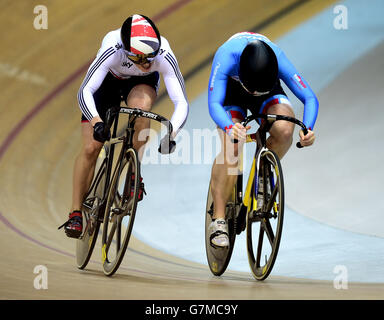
point(112, 118)
point(134, 113)
point(248, 201)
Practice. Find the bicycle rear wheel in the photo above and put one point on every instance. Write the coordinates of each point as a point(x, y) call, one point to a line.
point(264, 225)
point(91, 213)
point(218, 258)
point(120, 211)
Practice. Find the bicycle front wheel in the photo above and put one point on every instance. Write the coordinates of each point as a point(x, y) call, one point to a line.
point(120, 211)
point(264, 225)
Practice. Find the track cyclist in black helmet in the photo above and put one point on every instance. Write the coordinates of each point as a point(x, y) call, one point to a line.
point(127, 68)
point(245, 75)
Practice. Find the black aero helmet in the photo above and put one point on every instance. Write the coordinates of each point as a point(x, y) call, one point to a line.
point(141, 38)
point(258, 68)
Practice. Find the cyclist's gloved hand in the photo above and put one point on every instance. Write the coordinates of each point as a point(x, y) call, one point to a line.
point(308, 139)
point(238, 133)
point(167, 145)
point(99, 132)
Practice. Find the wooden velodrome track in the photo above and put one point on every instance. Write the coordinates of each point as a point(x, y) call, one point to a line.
point(41, 71)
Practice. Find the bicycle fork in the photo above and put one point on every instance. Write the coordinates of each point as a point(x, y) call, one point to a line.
point(249, 203)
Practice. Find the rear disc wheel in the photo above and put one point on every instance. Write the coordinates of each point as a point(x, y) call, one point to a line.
point(219, 257)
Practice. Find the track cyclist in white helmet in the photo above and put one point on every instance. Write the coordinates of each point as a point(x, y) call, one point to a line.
point(127, 68)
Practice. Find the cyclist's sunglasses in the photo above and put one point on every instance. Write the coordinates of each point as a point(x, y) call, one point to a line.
point(255, 93)
point(141, 58)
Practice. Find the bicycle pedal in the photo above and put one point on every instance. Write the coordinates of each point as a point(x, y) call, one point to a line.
point(210, 211)
point(117, 211)
point(256, 215)
point(240, 219)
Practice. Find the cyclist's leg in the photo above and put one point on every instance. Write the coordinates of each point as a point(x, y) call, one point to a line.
point(107, 95)
point(224, 170)
point(225, 167)
point(84, 165)
point(141, 92)
point(281, 133)
point(141, 96)
point(223, 178)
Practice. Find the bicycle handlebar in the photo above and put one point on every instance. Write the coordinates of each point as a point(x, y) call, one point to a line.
point(149, 115)
point(276, 117)
point(111, 112)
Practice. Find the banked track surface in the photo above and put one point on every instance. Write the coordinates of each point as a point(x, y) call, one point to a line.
point(37, 153)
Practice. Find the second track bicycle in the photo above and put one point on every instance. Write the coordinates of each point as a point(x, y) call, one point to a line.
point(113, 196)
point(259, 208)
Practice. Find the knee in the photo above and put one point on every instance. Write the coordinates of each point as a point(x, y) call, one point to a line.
point(141, 96)
point(284, 135)
point(92, 150)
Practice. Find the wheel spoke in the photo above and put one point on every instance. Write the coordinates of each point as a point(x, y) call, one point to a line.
point(127, 184)
point(118, 235)
point(260, 246)
point(272, 200)
point(266, 225)
point(110, 235)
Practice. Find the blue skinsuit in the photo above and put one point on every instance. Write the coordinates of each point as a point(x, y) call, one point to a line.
point(226, 65)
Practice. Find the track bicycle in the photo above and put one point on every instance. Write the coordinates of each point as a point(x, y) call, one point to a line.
point(113, 195)
point(259, 208)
